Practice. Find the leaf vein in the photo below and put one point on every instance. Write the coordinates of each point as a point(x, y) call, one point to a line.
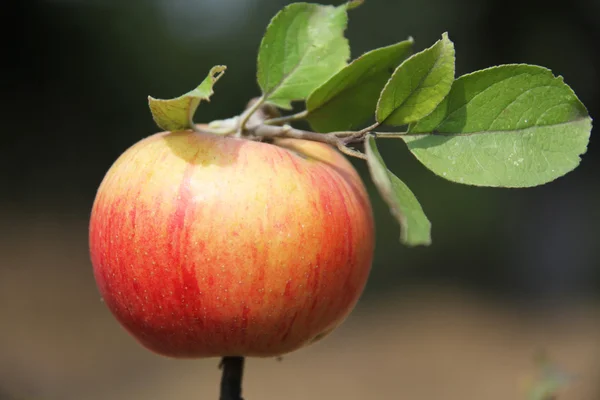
point(515, 100)
point(479, 94)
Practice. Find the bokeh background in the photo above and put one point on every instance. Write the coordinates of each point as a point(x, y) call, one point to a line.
point(511, 274)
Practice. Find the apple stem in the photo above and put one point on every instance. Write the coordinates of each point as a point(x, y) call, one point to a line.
point(231, 380)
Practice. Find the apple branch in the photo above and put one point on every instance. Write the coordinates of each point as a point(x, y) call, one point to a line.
point(336, 139)
point(231, 380)
point(287, 119)
point(254, 105)
point(390, 135)
point(341, 139)
point(261, 121)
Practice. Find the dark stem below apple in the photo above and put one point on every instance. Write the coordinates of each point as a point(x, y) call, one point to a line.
point(231, 380)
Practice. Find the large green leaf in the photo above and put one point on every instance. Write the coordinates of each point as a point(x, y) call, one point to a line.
point(415, 227)
point(176, 114)
point(510, 126)
point(304, 45)
point(418, 85)
point(349, 98)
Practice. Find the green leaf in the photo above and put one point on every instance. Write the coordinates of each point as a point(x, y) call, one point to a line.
point(349, 98)
point(352, 4)
point(304, 45)
point(415, 227)
point(510, 126)
point(418, 85)
point(176, 114)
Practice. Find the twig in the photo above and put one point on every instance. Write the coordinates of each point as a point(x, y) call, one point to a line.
point(359, 135)
point(390, 135)
point(253, 107)
point(231, 380)
point(287, 119)
point(286, 131)
point(276, 127)
point(351, 152)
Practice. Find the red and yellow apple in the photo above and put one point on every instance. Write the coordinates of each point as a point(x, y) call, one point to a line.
point(207, 246)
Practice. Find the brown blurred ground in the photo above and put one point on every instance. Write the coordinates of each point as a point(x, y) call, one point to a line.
point(57, 341)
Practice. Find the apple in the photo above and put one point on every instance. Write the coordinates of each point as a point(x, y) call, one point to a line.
point(206, 246)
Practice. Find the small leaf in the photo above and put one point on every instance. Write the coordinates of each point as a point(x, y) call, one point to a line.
point(415, 227)
point(176, 114)
point(348, 99)
point(510, 126)
point(304, 45)
point(418, 85)
point(352, 4)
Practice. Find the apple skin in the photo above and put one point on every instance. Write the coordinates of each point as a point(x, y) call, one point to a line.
point(206, 246)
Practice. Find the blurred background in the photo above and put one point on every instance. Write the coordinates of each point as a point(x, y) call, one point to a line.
point(511, 275)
